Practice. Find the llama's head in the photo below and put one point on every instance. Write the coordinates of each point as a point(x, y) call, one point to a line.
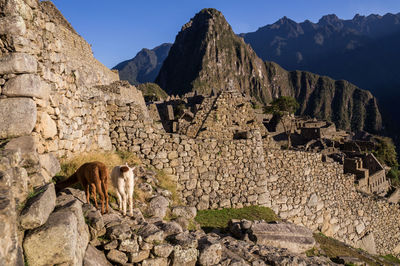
point(125, 168)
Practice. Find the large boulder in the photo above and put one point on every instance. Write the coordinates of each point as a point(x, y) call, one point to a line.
point(210, 251)
point(163, 250)
point(27, 85)
point(62, 239)
point(185, 212)
point(17, 116)
point(184, 256)
point(94, 257)
point(17, 63)
point(158, 207)
point(151, 233)
point(38, 208)
point(293, 237)
point(117, 256)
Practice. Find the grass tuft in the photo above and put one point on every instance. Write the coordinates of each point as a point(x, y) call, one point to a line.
point(219, 219)
point(391, 258)
point(167, 183)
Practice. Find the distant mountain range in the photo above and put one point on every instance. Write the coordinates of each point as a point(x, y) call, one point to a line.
point(363, 50)
point(207, 55)
point(144, 67)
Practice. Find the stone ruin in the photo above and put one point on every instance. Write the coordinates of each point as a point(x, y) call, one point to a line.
point(58, 96)
point(369, 172)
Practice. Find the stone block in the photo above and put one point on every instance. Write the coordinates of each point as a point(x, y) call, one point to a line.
point(117, 257)
point(50, 163)
point(158, 207)
point(155, 262)
point(183, 211)
point(47, 126)
point(37, 210)
point(12, 25)
point(18, 63)
point(367, 243)
point(184, 256)
point(62, 239)
point(17, 116)
point(94, 257)
point(295, 238)
point(27, 85)
point(163, 250)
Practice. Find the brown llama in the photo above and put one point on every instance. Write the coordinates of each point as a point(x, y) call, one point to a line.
point(94, 175)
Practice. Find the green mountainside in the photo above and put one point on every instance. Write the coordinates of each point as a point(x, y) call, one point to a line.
point(208, 55)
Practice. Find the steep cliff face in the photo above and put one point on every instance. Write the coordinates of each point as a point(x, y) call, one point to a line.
point(145, 66)
point(208, 55)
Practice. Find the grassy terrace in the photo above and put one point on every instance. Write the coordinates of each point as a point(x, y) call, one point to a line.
point(219, 219)
point(335, 249)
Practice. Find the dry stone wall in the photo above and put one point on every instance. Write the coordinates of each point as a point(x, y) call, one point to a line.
point(233, 173)
point(320, 196)
point(51, 86)
point(210, 173)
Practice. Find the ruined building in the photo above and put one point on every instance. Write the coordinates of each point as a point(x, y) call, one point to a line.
point(371, 177)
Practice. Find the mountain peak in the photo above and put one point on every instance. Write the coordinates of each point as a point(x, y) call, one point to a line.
point(206, 18)
point(329, 19)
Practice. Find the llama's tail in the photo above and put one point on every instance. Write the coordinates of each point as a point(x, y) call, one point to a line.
point(67, 182)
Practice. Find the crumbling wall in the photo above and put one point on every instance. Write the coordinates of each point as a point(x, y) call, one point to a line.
point(320, 196)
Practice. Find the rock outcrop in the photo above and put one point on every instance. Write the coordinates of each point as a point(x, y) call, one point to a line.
point(207, 54)
point(38, 208)
point(62, 239)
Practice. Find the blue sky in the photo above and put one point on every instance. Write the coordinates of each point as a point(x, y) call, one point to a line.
point(118, 29)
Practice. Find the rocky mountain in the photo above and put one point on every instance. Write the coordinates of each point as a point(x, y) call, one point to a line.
point(208, 55)
point(144, 67)
point(362, 50)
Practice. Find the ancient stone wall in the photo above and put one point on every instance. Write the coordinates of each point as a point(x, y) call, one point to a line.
point(319, 195)
point(210, 173)
point(233, 173)
point(222, 117)
point(51, 86)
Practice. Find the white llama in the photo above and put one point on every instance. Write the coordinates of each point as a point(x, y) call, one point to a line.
point(123, 179)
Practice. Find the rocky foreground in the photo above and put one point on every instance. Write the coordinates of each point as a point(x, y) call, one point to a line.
point(63, 229)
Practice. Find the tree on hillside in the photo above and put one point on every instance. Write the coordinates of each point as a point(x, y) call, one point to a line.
point(282, 108)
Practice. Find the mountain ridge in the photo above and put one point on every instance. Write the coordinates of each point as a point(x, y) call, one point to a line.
point(144, 67)
point(207, 54)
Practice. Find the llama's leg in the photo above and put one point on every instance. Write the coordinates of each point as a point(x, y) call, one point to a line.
point(119, 201)
point(87, 191)
point(130, 189)
point(94, 195)
point(100, 192)
point(121, 190)
point(123, 196)
point(105, 191)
